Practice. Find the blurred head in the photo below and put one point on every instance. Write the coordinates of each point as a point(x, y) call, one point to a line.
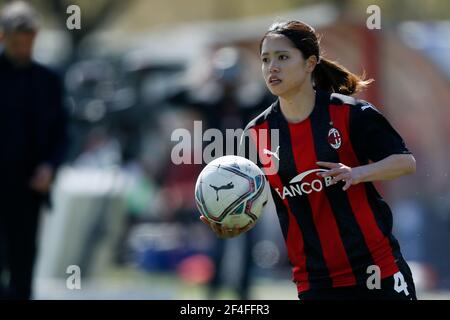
point(18, 29)
point(291, 59)
point(227, 66)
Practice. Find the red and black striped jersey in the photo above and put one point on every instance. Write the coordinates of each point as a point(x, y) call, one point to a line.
point(332, 236)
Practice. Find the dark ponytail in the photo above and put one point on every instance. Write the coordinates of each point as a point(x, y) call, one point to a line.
point(332, 77)
point(328, 75)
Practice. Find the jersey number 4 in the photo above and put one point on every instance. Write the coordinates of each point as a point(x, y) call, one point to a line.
point(400, 283)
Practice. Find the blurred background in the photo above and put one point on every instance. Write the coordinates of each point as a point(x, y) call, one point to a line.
point(139, 69)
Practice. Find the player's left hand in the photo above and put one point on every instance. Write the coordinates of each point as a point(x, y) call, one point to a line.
point(340, 172)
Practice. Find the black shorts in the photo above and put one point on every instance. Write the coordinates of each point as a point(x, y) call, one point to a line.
point(400, 286)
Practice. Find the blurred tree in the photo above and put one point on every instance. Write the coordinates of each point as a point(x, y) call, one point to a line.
point(94, 15)
point(143, 14)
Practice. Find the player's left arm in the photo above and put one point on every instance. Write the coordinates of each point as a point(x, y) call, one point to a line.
point(390, 168)
point(373, 138)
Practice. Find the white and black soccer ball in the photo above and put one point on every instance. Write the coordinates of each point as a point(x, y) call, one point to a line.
point(231, 190)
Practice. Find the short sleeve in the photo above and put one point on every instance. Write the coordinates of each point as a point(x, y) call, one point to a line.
point(371, 134)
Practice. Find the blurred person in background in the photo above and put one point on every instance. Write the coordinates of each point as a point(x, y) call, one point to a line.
point(33, 131)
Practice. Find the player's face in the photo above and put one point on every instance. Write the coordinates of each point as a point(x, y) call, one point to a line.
point(284, 69)
point(19, 46)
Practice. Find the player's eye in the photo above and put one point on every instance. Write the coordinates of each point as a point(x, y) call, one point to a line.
point(265, 60)
point(283, 57)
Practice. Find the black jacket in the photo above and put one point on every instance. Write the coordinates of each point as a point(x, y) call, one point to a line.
point(33, 121)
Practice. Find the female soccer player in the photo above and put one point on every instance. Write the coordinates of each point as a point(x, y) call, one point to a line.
point(330, 147)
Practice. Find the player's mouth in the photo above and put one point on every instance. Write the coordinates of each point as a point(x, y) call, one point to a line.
point(273, 81)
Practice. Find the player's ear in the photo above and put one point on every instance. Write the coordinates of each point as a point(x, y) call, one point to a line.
point(311, 63)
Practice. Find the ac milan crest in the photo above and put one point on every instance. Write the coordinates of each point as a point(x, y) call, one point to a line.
point(334, 138)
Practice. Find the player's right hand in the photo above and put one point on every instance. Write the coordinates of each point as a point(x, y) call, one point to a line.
point(224, 232)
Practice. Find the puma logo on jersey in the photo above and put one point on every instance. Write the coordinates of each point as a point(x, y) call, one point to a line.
point(224, 187)
point(275, 154)
point(368, 106)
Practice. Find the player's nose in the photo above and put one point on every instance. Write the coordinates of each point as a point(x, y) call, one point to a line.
point(273, 68)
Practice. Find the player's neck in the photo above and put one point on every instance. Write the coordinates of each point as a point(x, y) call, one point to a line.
point(298, 106)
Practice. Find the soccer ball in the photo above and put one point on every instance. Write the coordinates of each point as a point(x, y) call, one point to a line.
point(231, 190)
